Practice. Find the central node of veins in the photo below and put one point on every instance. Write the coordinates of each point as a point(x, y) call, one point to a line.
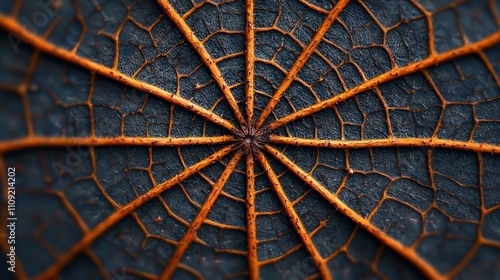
point(250, 138)
point(248, 144)
point(248, 141)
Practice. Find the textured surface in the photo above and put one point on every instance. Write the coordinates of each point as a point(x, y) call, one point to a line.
point(252, 139)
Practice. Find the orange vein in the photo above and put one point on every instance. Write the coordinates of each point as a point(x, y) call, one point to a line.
point(253, 266)
point(313, 7)
point(205, 56)
point(97, 231)
point(12, 26)
point(388, 76)
point(35, 142)
point(430, 26)
point(301, 61)
point(200, 218)
point(392, 142)
point(408, 253)
point(294, 217)
point(250, 61)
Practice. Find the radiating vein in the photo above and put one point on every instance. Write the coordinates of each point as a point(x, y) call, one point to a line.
point(313, 7)
point(301, 61)
point(250, 61)
point(391, 142)
point(39, 43)
point(106, 224)
point(38, 142)
point(198, 221)
point(253, 267)
point(430, 26)
point(388, 76)
point(205, 56)
point(408, 253)
point(294, 217)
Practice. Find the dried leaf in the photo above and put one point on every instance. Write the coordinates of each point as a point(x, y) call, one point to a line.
point(251, 139)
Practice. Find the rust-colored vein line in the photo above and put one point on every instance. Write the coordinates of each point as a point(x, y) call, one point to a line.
point(301, 61)
point(384, 143)
point(193, 9)
point(198, 221)
point(453, 273)
point(494, 10)
point(407, 253)
point(37, 142)
point(39, 43)
point(16, 8)
point(14, 89)
point(253, 265)
point(140, 274)
point(102, 227)
point(490, 68)
point(250, 61)
point(389, 76)
point(430, 26)
point(281, 256)
point(294, 217)
point(313, 7)
point(205, 56)
point(97, 262)
point(25, 85)
point(71, 210)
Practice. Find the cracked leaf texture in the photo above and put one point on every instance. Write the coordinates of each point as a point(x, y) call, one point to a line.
point(252, 139)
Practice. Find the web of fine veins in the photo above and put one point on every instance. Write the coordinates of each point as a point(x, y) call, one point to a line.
point(248, 134)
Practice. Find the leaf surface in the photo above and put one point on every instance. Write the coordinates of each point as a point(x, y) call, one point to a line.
point(252, 139)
